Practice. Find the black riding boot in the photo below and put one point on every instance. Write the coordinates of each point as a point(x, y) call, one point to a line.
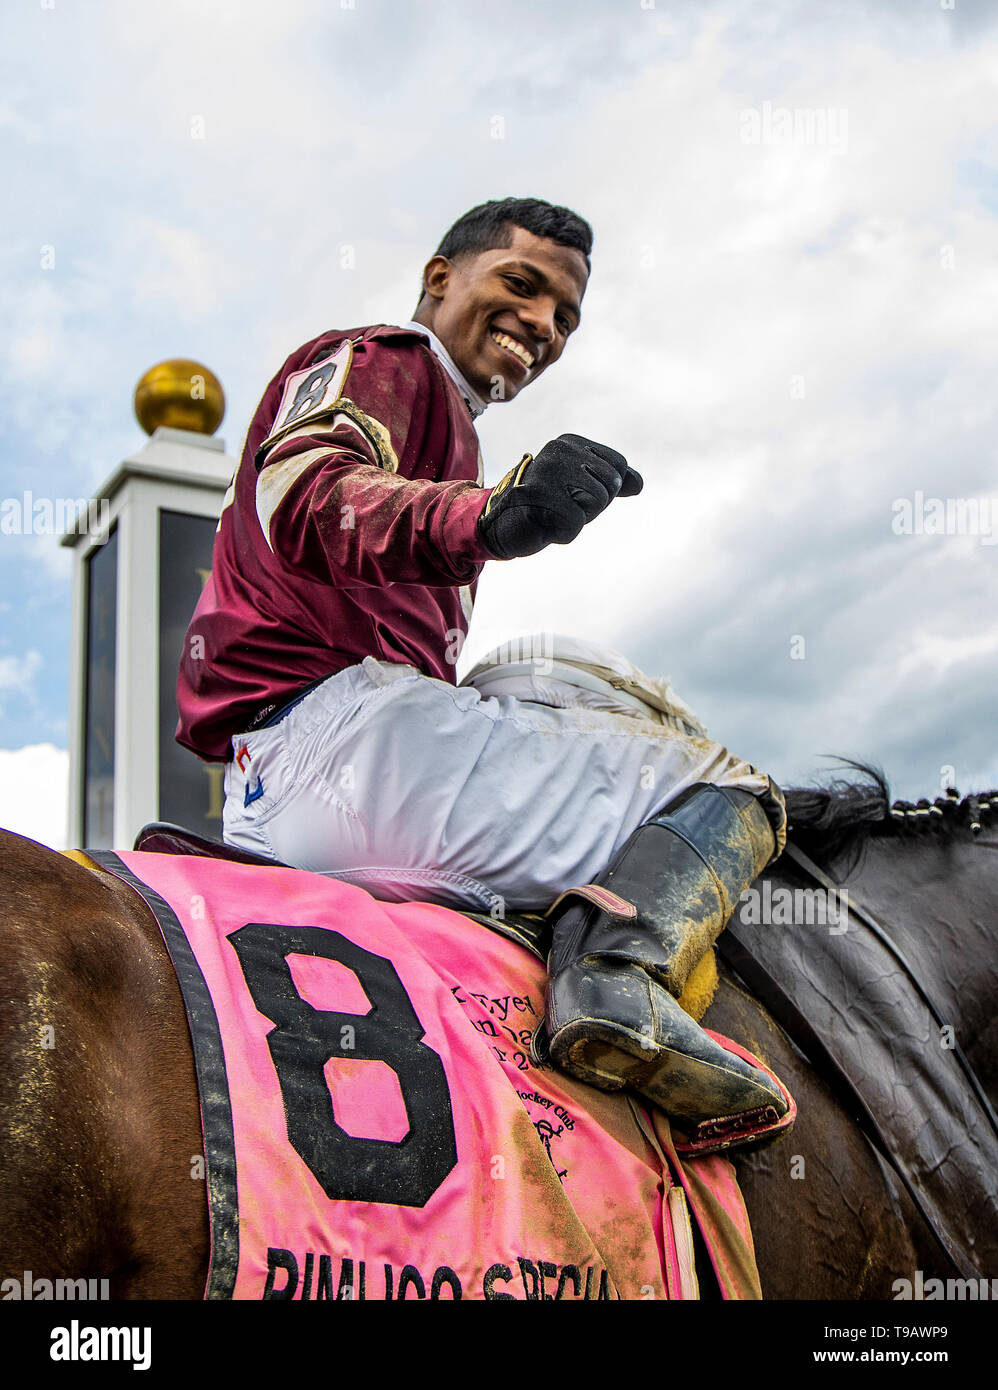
point(612, 1018)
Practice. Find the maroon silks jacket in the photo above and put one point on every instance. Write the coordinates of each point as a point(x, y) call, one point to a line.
point(349, 531)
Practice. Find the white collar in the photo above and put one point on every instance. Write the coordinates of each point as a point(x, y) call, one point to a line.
point(473, 400)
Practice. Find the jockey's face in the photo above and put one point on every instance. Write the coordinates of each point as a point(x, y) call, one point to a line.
point(505, 315)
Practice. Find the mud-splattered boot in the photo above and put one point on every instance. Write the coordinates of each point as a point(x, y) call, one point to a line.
point(612, 1018)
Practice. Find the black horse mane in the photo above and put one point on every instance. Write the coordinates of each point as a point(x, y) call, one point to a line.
point(838, 820)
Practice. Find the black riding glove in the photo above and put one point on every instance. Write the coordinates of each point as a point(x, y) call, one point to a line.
point(550, 497)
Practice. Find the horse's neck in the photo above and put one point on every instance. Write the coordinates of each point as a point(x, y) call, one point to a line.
point(938, 904)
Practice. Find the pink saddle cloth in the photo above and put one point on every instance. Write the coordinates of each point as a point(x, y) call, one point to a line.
point(374, 1127)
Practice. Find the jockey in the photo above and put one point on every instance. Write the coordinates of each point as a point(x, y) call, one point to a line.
point(319, 667)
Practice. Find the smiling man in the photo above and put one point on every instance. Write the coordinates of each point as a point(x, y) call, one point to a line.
point(319, 667)
point(507, 312)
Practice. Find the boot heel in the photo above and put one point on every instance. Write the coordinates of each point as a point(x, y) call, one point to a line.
point(604, 1055)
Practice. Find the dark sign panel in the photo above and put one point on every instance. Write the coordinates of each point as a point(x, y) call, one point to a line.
point(190, 791)
point(101, 571)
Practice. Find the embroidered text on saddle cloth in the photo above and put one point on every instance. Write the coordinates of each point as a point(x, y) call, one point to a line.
point(374, 1127)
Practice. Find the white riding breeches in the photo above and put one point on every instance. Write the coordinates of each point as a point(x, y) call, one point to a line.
point(420, 790)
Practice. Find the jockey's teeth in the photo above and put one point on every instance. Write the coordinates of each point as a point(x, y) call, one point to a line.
point(504, 340)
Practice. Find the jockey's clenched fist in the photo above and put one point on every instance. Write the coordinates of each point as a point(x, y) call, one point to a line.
point(548, 498)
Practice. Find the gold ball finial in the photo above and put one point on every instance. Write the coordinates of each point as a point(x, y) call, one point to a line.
point(181, 394)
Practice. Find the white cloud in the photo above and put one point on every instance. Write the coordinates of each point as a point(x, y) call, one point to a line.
point(34, 793)
point(49, 556)
point(181, 267)
point(768, 263)
point(17, 673)
point(939, 654)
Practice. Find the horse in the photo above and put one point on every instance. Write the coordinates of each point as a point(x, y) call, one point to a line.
point(99, 1107)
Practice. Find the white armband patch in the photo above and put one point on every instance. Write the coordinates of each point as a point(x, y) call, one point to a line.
point(309, 395)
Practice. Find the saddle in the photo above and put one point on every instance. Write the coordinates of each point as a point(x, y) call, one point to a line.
point(527, 929)
point(531, 930)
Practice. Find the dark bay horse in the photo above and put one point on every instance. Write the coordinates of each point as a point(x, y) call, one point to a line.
point(99, 1114)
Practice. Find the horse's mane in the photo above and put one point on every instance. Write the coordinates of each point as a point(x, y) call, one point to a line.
point(838, 821)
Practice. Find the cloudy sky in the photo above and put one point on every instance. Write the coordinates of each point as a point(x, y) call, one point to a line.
point(790, 328)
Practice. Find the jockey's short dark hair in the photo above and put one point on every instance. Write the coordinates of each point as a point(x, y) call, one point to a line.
point(490, 225)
